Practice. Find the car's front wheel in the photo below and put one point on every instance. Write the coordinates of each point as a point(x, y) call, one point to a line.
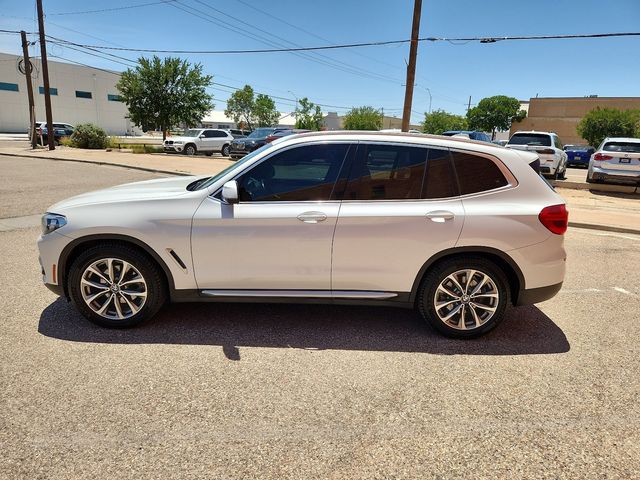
point(464, 297)
point(115, 285)
point(190, 149)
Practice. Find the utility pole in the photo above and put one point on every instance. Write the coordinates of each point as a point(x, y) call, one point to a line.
point(469, 105)
point(411, 67)
point(45, 77)
point(27, 74)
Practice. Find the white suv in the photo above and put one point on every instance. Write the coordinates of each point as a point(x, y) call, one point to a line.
point(205, 140)
point(553, 159)
point(616, 160)
point(455, 228)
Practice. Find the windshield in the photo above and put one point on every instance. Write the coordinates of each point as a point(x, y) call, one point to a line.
point(192, 133)
point(211, 180)
point(538, 139)
point(260, 132)
point(631, 147)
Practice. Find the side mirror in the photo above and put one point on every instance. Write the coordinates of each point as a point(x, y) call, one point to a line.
point(201, 136)
point(230, 192)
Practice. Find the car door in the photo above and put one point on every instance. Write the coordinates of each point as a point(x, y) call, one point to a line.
point(207, 141)
point(278, 236)
point(400, 207)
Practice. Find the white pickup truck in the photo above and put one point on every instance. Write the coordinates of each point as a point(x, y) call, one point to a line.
point(205, 140)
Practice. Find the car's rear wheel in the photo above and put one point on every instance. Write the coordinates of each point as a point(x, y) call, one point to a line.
point(190, 149)
point(464, 297)
point(114, 285)
point(225, 151)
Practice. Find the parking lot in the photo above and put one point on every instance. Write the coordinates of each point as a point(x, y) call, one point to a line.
point(276, 391)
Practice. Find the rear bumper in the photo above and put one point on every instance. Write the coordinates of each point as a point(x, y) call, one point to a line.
point(537, 295)
point(631, 177)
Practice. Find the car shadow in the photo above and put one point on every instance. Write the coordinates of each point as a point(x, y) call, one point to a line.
point(524, 331)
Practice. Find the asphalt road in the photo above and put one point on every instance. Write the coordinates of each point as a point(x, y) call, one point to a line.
point(251, 391)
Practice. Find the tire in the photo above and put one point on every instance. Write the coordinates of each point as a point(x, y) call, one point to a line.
point(89, 276)
point(555, 174)
point(479, 317)
point(225, 151)
point(190, 149)
point(563, 175)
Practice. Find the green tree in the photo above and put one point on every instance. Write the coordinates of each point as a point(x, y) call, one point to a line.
point(240, 107)
point(161, 94)
point(308, 115)
point(600, 123)
point(245, 108)
point(440, 121)
point(362, 118)
point(265, 111)
point(495, 113)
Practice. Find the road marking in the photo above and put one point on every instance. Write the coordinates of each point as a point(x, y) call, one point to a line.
point(17, 223)
point(622, 290)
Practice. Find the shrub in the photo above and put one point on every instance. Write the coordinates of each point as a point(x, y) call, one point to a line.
point(66, 141)
point(88, 135)
point(600, 123)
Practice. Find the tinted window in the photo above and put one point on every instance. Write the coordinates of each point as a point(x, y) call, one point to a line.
point(476, 174)
point(52, 91)
point(558, 142)
point(261, 132)
point(11, 87)
point(81, 94)
point(298, 174)
point(387, 172)
point(113, 98)
point(540, 139)
point(208, 134)
point(219, 133)
point(440, 180)
point(631, 147)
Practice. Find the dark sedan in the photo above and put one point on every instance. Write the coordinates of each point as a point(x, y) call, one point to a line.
point(256, 139)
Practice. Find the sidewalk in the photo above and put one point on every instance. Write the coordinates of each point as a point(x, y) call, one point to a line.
point(608, 211)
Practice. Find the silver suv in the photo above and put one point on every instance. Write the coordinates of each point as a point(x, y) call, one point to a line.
point(454, 228)
point(204, 140)
point(553, 158)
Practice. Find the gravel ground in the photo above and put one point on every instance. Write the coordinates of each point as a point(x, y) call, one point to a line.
point(277, 391)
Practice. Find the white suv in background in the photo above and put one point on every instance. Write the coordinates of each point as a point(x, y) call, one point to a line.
point(616, 160)
point(455, 228)
point(205, 140)
point(553, 159)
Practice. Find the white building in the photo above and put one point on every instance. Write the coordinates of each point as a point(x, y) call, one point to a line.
point(217, 119)
point(78, 95)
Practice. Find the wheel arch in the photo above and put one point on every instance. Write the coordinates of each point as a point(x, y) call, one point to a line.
point(75, 247)
point(502, 260)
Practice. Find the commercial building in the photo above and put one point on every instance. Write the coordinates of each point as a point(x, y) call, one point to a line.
point(79, 94)
point(562, 114)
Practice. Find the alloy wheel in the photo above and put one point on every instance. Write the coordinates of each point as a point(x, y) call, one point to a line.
point(113, 288)
point(466, 299)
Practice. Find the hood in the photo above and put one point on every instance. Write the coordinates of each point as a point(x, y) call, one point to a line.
point(149, 189)
point(181, 139)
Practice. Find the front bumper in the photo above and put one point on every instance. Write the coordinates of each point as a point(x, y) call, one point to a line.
point(173, 148)
point(50, 247)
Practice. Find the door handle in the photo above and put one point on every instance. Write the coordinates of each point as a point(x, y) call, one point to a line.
point(440, 216)
point(312, 217)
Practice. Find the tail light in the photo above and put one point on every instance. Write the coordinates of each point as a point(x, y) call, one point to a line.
point(547, 151)
point(602, 156)
point(555, 218)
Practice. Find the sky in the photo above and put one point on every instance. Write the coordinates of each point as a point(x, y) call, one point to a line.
point(375, 76)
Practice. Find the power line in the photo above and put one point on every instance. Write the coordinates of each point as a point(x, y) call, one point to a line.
point(111, 9)
point(364, 44)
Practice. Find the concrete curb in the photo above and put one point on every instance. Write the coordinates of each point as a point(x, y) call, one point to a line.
point(98, 162)
point(596, 187)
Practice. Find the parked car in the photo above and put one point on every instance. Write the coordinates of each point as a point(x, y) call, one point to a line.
point(284, 133)
point(617, 160)
point(502, 143)
point(578, 155)
point(472, 134)
point(553, 159)
point(256, 139)
point(205, 140)
point(238, 133)
point(456, 229)
point(59, 130)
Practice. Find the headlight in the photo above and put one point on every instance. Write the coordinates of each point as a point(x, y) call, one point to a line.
point(52, 222)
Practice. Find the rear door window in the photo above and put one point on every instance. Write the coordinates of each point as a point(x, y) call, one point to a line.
point(440, 181)
point(387, 172)
point(477, 173)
